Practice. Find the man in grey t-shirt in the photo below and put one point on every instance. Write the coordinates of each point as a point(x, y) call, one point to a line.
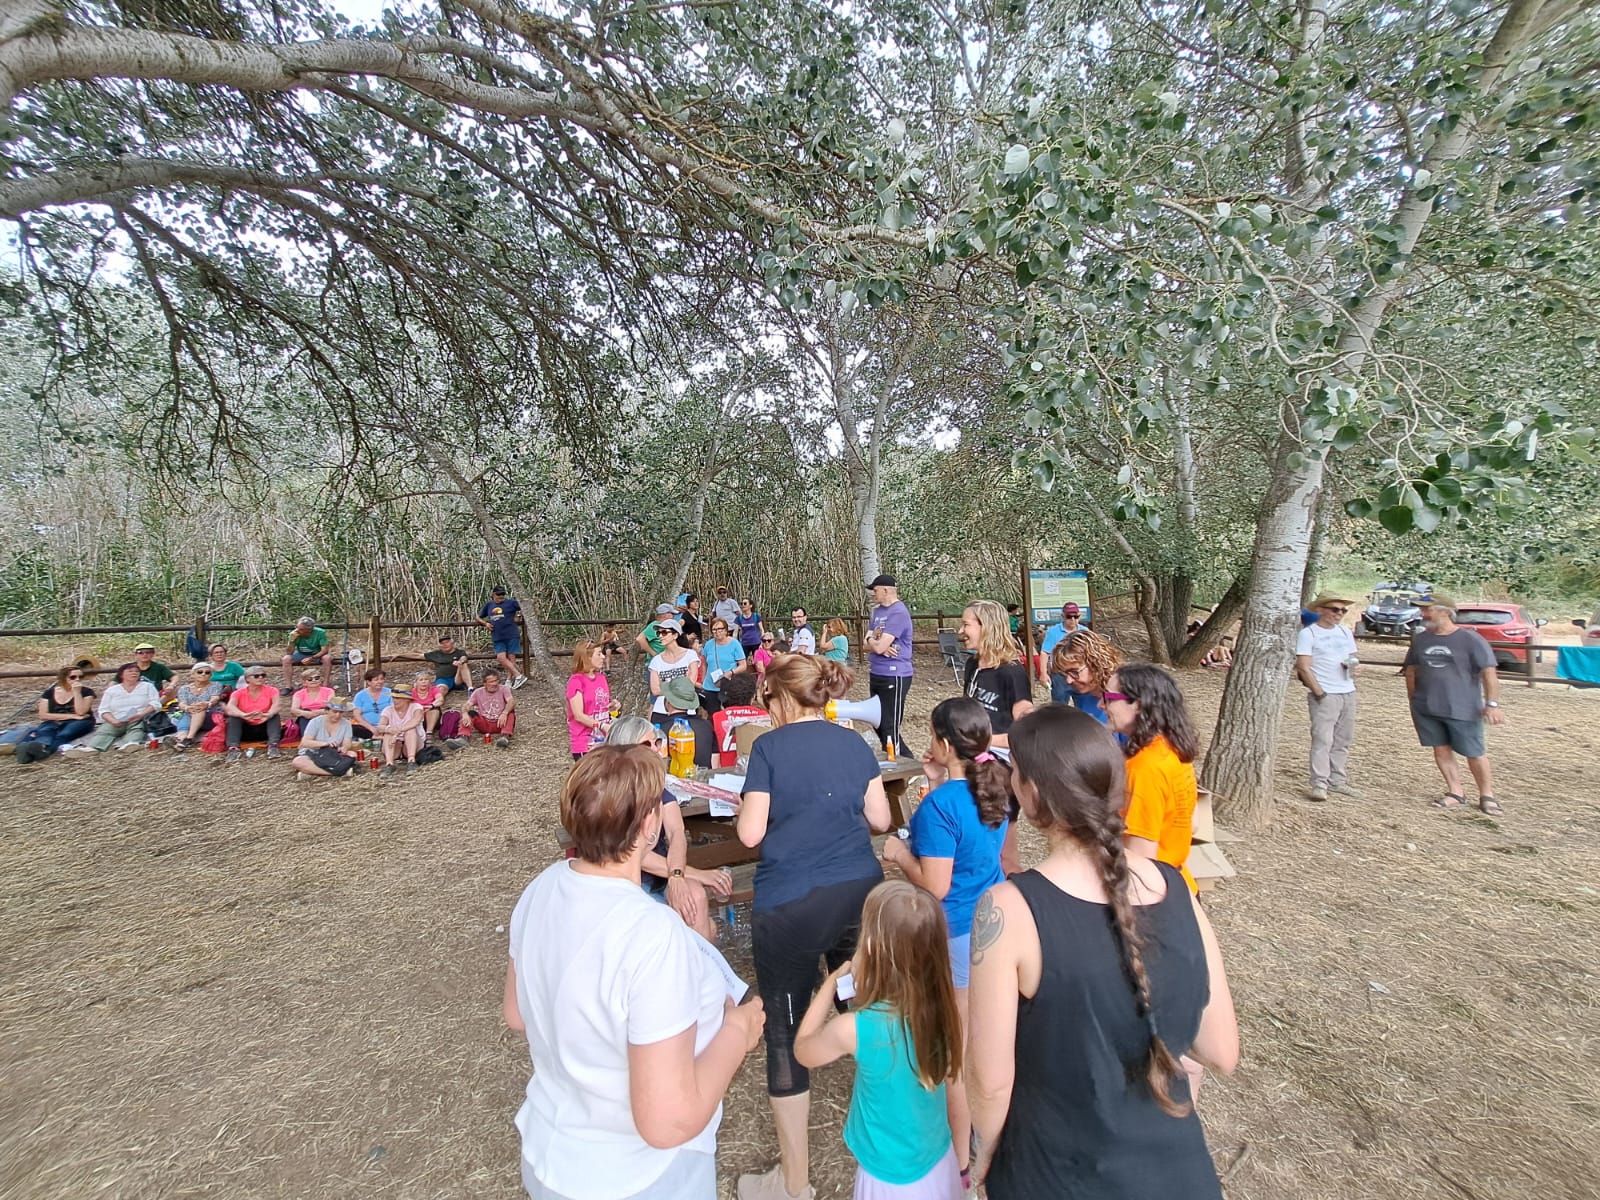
point(1451, 681)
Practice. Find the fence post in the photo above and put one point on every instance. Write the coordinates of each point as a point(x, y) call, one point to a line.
point(861, 636)
point(375, 633)
point(527, 653)
point(200, 630)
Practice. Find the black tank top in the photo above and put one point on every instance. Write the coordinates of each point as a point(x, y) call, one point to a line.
point(1083, 1122)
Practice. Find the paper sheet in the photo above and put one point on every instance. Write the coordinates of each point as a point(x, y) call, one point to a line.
point(728, 783)
point(735, 986)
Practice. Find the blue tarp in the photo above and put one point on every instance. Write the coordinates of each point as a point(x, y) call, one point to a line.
point(1581, 663)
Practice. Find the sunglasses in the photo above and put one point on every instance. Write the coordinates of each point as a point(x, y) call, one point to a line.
point(1335, 608)
point(72, 677)
point(1110, 696)
point(767, 641)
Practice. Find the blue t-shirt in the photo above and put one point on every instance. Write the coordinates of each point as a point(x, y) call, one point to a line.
point(894, 619)
point(1087, 702)
point(897, 1129)
point(946, 825)
point(1054, 636)
point(720, 660)
point(502, 618)
point(368, 708)
point(817, 775)
point(838, 649)
point(749, 630)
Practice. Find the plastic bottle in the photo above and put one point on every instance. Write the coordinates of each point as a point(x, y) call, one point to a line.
point(680, 749)
point(893, 756)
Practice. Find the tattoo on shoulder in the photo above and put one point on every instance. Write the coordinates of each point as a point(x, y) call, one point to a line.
point(987, 924)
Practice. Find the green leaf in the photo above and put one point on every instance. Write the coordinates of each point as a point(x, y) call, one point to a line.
point(1396, 520)
point(1017, 159)
point(1347, 437)
point(1359, 509)
point(1425, 520)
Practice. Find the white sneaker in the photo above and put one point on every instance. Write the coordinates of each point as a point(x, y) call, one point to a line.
point(519, 681)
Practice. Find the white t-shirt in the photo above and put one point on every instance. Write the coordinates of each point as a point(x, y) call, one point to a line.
point(803, 641)
point(668, 670)
point(1328, 648)
point(600, 966)
point(119, 704)
point(728, 610)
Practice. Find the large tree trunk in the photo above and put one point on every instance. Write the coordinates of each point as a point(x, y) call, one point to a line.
point(1319, 546)
point(1174, 599)
point(1239, 765)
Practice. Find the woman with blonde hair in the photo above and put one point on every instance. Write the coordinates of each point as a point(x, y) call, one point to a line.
point(1080, 669)
point(994, 675)
point(813, 799)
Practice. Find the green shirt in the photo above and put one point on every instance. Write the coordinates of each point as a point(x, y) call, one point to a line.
point(228, 675)
point(156, 674)
point(653, 639)
point(838, 649)
point(313, 643)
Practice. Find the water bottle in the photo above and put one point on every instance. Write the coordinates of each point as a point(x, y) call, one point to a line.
point(680, 749)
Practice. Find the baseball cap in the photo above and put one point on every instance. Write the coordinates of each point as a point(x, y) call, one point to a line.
point(679, 693)
point(142, 646)
point(675, 626)
point(883, 581)
point(497, 590)
point(447, 637)
point(1071, 610)
point(663, 610)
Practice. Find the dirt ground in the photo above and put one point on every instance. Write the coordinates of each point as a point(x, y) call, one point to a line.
point(219, 983)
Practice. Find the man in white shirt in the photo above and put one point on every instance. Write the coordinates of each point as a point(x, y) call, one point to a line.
point(802, 640)
point(727, 608)
point(1325, 661)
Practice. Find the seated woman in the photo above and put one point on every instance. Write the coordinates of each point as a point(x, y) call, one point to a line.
point(252, 715)
point(1220, 655)
point(1079, 670)
point(632, 1035)
point(123, 710)
point(325, 744)
point(668, 876)
point(65, 711)
point(1145, 705)
point(1091, 974)
point(308, 700)
point(223, 669)
point(429, 696)
point(369, 703)
point(400, 730)
point(813, 798)
point(199, 706)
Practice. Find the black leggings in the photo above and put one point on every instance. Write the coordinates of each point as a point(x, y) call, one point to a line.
point(788, 941)
point(891, 692)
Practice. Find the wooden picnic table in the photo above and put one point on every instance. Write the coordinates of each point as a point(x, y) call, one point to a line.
point(713, 842)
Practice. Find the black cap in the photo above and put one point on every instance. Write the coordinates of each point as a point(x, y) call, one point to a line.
point(447, 637)
point(497, 590)
point(883, 581)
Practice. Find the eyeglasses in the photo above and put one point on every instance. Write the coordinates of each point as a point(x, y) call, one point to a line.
point(1112, 696)
point(1335, 608)
point(70, 678)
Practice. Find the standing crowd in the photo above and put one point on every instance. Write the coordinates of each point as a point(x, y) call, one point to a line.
point(1012, 1026)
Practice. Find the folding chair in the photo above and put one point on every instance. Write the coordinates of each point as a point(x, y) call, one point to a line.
point(954, 653)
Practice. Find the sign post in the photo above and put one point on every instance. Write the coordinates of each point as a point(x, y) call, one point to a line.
point(1043, 594)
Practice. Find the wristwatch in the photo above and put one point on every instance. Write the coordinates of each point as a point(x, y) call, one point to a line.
point(1491, 704)
point(676, 873)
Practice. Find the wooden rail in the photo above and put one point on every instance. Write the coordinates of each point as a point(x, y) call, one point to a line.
point(1528, 675)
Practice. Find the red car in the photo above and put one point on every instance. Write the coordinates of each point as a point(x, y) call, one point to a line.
point(1504, 623)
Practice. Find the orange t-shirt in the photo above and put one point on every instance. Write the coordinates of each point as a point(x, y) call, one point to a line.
point(1161, 800)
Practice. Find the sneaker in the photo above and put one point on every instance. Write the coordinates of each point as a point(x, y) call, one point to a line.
point(233, 755)
point(1317, 793)
point(179, 745)
point(388, 770)
point(1344, 789)
point(411, 769)
point(519, 681)
point(272, 752)
point(769, 1187)
point(301, 777)
point(502, 743)
point(456, 743)
point(126, 746)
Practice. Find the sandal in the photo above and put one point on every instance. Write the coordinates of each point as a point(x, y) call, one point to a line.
point(1450, 800)
point(1489, 806)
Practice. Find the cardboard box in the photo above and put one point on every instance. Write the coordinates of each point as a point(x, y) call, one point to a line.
point(1203, 825)
point(1207, 864)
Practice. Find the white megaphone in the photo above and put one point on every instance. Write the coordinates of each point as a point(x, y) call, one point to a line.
point(868, 711)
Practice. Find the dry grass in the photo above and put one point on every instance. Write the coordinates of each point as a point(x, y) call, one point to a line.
point(222, 984)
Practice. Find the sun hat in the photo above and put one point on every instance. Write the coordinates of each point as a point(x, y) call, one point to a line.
point(679, 693)
point(1326, 598)
point(338, 704)
point(401, 690)
point(201, 668)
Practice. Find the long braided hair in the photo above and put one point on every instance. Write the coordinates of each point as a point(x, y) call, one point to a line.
point(1076, 767)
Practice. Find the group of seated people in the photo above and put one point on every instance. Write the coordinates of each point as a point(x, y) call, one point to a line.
point(222, 704)
point(1014, 1028)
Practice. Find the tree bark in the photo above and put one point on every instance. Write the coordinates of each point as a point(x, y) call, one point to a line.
point(1319, 547)
point(1213, 628)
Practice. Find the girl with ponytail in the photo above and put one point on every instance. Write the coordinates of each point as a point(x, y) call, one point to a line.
point(1091, 974)
point(954, 850)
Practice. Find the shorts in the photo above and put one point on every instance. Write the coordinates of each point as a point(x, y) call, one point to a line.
point(692, 1175)
point(450, 684)
point(941, 1183)
point(300, 656)
point(961, 959)
point(1464, 737)
point(511, 644)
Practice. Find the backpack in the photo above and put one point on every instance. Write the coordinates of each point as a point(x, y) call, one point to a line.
point(429, 755)
point(215, 740)
point(193, 646)
point(159, 725)
point(450, 724)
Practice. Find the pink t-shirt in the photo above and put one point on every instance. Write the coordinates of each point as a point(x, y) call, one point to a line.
point(596, 693)
point(763, 659)
point(311, 699)
point(257, 701)
point(491, 707)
